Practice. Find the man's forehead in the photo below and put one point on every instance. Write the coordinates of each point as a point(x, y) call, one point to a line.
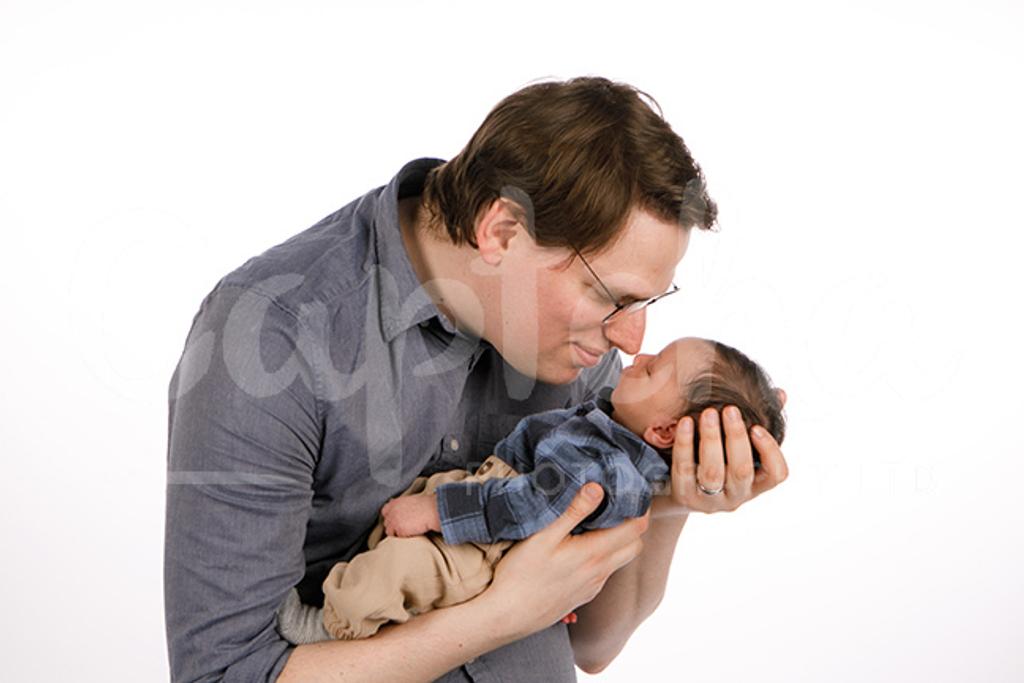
point(642, 262)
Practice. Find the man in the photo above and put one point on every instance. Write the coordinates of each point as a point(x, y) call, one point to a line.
point(405, 334)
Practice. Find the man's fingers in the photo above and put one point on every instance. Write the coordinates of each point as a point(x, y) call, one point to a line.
point(626, 554)
point(586, 501)
point(683, 466)
point(740, 467)
point(711, 470)
point(773, 465)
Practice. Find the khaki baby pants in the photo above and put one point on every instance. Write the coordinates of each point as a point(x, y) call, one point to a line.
point(397, 578)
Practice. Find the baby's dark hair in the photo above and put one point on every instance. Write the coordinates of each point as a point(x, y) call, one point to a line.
point(732, 379)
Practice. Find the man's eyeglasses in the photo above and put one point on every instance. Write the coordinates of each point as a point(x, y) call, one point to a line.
point(622, 310)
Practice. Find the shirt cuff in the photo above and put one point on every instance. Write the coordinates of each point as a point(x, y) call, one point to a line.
point(461, 509)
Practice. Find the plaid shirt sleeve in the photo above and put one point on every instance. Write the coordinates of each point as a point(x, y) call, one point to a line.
point(581, 448)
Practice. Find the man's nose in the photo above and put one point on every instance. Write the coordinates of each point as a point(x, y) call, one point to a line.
point(627, 332)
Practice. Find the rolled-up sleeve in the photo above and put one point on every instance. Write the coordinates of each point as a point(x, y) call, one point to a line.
point(244, 435)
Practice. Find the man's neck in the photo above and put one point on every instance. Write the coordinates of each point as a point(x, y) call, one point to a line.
point(433, 258)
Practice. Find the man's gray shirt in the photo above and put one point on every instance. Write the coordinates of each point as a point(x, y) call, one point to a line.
point(317, 381)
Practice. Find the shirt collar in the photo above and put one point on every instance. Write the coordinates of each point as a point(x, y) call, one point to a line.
point(641, 454)
point(403, 302)
point(604, 400)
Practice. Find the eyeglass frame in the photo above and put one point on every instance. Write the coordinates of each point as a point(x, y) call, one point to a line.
point(630, 308)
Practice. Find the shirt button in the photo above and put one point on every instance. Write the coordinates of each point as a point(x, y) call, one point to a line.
point(454, 444)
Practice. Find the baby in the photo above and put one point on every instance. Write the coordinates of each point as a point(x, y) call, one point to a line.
point(445, 533)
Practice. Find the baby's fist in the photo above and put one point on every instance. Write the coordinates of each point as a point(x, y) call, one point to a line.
point(411, 515)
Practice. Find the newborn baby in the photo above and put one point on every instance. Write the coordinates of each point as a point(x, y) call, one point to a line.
point(445, 533)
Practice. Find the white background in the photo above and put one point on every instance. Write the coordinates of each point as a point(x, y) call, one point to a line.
point(867, 161)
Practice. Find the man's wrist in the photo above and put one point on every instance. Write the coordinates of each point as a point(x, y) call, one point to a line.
point(663, 506)
point(419, 649)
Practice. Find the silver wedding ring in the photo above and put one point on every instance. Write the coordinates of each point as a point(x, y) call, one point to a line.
point(710, 493)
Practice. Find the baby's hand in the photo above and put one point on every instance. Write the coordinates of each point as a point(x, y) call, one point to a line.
point(411, 515)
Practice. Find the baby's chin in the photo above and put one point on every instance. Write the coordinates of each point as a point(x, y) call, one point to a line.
point(621, 405)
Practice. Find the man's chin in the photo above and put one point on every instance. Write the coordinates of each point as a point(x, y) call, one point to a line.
point(559, 374)
point(562, 375)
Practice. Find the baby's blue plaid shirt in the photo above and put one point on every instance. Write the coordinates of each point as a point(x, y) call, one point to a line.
point(555, 452)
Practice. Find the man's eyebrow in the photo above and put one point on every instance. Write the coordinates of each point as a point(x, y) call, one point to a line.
point(631, 298)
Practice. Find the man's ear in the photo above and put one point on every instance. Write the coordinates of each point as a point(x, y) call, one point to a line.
point(661, 435)
point(497, 226)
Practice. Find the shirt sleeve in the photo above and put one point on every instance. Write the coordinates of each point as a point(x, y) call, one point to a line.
point(243, 441)
point(517, 507)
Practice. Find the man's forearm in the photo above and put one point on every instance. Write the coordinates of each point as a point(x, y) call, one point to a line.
point(422, 649)
point(629, 596)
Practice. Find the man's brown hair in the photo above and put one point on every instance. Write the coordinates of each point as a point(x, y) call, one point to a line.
point(576, 156)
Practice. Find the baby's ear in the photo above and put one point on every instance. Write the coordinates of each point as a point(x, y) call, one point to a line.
point(661, 435)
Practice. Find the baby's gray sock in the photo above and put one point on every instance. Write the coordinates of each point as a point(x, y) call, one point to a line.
point(300, 624)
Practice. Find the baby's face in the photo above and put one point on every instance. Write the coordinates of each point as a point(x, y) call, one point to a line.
point(648, 395)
